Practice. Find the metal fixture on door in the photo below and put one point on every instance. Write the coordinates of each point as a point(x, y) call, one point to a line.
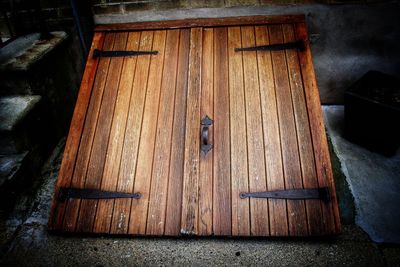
point(205, 146)
point(311, 193)
point(275, 47)
point(83, 193)
point(100, 53)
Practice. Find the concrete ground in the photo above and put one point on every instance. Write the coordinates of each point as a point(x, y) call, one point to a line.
point(25, 240)
point(374, 181)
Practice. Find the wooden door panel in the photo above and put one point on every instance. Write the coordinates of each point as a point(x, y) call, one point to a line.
point(136, 128)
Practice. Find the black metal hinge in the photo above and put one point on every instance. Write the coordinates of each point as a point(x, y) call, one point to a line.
point(274, 47)
point(313, 193)
point(100, 53)
point(82, 193)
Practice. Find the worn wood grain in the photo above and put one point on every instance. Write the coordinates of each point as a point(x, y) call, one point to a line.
point(139, 155)
point(222, 172)
point(82, 160)
point(255, 140)
point(101, 137)
point(175, 181)
point(75, 132)
point(104, 211)
point(206, 160)
point(314, 215)
point(192, 141)
point(291, 164)
point(331, 219)
point(121, 210)
point(238, 137)
point(272, 148)
point(162, 150)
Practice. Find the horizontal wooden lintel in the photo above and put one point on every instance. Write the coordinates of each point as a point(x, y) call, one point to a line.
point(201, 22)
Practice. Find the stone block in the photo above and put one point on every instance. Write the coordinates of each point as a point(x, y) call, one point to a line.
point(18, 122)
point(10, 166)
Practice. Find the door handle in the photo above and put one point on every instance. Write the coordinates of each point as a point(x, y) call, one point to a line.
point(205, 145)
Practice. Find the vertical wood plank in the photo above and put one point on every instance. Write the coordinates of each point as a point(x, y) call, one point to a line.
point(272, 149)
point(100, 142)
point(192, 136)
point(238, 139)
point(162, 150)
point(85, 146)
point(126, 177)
point(115, 145)
point(291, 163)
point(331, 219)
point(314, 215)
point(139, 156)
point(175, 181)
point(75, 132)
point(206, 160)
point(222, 179)
point(255, 141)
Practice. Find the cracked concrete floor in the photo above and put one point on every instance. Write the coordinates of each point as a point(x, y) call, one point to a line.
point(25, 241)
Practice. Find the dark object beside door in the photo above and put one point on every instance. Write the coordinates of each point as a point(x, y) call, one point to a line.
point(372, 112)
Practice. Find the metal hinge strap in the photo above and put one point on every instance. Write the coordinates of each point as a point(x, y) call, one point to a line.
point(100, 53)
point(274, 47)
point(83, 193)
point(313, 193)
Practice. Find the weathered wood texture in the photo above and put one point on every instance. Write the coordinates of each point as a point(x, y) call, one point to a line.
point(136, 128)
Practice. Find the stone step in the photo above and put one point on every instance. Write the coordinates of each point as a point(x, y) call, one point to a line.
point(11, 167)
point(20, 63)
point(19, 118)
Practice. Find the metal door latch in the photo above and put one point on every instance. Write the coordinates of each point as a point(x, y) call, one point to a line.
point(82, 193)
point(313, 193)
point(100, 53)
point(206, 122)
point(275, 47)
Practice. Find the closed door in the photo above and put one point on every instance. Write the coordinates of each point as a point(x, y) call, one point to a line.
point(189, 125)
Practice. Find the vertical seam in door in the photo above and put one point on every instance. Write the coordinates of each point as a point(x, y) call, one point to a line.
point(295, 128)
point(262, 125)
point(279, 130)
point(123, 140)
point(141, 127)
point(230, 125)
point(155, 137)
point(245, 120)
point(140, 133)
point(126, 126)
point(109, 133)
point(172, 131)
point(198, 155)
point(212, 154)
point(229, 122)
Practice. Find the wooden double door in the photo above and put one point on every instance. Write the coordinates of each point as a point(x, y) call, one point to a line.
point(137, 128)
